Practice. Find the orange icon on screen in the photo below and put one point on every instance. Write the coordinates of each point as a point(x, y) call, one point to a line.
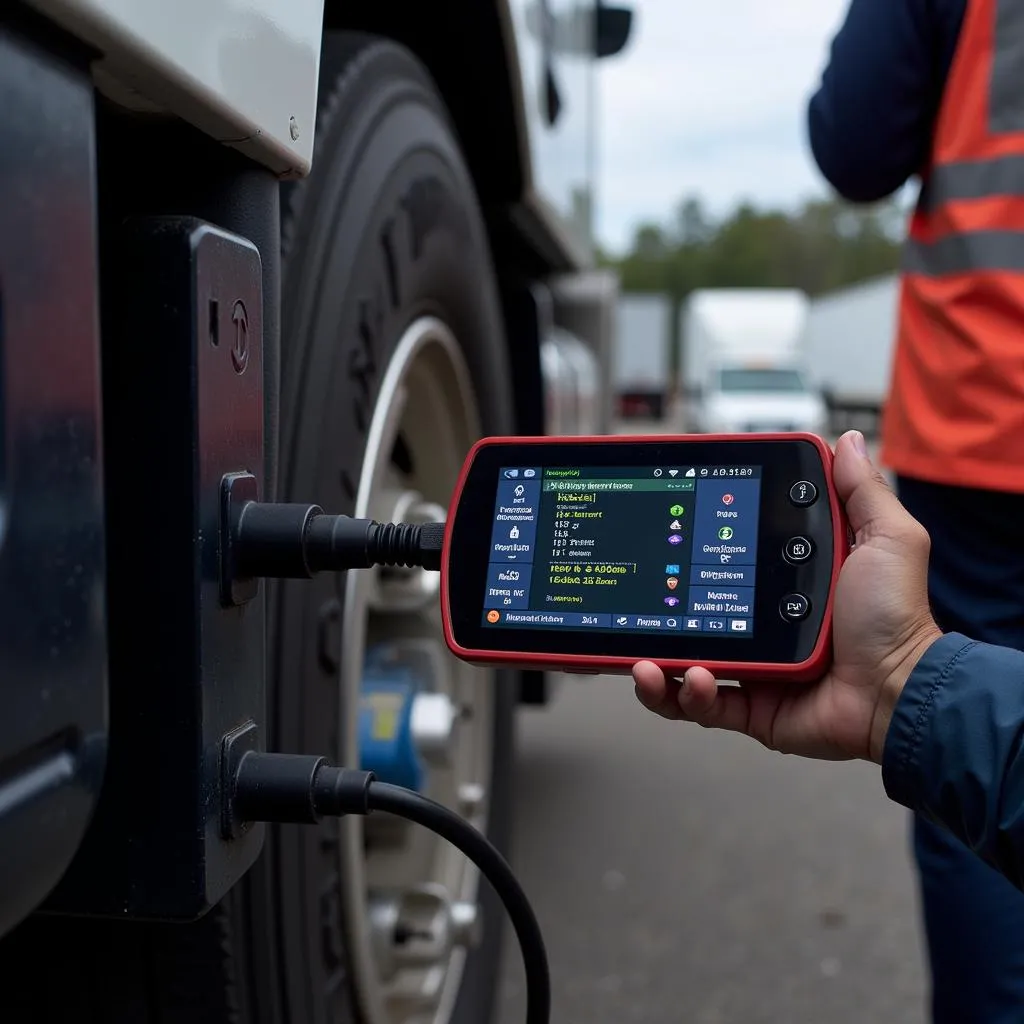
point(671, 583)
point(493, 616)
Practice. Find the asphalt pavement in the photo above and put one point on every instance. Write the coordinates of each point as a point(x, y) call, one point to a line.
point(682, 875)
point(689, 876)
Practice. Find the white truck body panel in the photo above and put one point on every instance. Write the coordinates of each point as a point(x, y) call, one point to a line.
point(849, 339)
point(560, 155)
point(741, 362)
point(243, 71)
point(641, 344)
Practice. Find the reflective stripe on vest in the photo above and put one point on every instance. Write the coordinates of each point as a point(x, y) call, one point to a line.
point(965, 252)
point(1005, 96)
point(975, 179)
point(995, 245)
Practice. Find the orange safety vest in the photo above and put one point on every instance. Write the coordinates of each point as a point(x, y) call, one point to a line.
point(955, 413)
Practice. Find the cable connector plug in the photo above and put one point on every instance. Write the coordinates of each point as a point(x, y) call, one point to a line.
point(296, 541)
point(337, 542)
point(296, 788)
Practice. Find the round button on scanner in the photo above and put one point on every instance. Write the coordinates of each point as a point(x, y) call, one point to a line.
point(794, 607)
point(798, 549)
point(803, 493)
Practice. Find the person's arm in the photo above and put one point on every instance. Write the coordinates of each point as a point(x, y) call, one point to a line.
point(954, 747)
point(870, 122)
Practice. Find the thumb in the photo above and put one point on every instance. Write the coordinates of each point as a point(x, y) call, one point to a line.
point(870, 502)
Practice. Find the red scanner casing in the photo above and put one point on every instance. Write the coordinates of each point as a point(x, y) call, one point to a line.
point(809, 670)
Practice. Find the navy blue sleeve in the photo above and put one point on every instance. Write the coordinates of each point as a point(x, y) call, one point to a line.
point(954, 747)
point(870, 121)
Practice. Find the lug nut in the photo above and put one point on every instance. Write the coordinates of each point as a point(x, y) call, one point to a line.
point(467, 923)
point(433, 725)
point(471, 799)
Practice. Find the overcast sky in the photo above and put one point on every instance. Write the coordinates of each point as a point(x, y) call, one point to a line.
point(709, 99)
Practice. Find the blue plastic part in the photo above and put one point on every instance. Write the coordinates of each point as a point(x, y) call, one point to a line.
point(386, 743)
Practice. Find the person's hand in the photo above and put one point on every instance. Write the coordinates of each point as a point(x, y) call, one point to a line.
point(881, 626)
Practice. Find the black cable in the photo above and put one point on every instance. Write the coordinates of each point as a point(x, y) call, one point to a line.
point(304, 788)
point(407, 804)
point(296, 541)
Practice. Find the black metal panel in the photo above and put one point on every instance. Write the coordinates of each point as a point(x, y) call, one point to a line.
point(183, 406)
point(52, 637)
point(161, 167)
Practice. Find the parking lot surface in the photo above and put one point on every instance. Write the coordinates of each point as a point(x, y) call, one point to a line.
point(691, 876)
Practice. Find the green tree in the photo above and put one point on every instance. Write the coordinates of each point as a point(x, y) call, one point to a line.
point(823, 245)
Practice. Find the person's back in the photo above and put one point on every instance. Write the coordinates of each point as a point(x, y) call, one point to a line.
point(936, 88)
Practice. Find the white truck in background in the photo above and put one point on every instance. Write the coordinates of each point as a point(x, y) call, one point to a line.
point(641, 364)
point(848, 346)
point(741, 362)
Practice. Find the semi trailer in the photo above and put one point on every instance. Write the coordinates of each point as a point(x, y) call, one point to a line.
point(848, 347)
point(642, 371)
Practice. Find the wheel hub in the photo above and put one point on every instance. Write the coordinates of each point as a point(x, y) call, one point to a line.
point(419, 927)
point(407, 724)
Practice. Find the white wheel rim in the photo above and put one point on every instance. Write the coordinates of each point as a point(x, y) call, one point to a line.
point(426, 397)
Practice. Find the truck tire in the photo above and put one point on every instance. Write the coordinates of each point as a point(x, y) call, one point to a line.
point(393, 363)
